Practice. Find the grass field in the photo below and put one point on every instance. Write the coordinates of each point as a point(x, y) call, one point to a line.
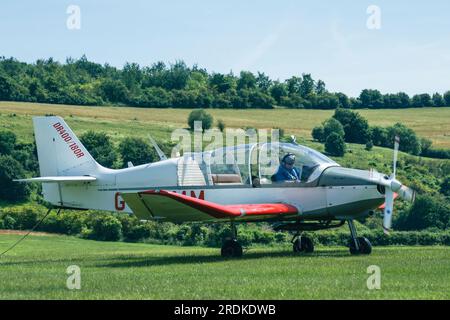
point(432, 123)
point(36, 269)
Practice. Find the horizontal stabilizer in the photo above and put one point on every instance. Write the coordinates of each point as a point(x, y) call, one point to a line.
point(59, 179)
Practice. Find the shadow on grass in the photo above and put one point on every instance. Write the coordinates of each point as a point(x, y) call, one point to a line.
point(126, 262)
point(132, 260)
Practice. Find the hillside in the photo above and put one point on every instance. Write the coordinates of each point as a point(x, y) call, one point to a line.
point(432, 123)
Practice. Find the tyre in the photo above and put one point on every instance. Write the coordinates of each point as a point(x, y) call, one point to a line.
point(303, 244)
point(231, 248)
point(365, 247)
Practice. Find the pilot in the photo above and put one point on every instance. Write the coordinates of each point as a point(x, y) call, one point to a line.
point(287, 171)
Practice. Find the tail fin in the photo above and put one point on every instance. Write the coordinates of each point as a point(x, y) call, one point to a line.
point(60, 153)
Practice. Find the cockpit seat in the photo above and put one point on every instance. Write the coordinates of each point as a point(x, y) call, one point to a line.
point(226, 178)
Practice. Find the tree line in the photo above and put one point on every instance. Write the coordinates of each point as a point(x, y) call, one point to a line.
point(349, 126)
point(82, 82)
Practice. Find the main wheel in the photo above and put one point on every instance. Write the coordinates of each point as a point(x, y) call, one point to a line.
point(231, 248)
point(365, 247)
point(303, 244)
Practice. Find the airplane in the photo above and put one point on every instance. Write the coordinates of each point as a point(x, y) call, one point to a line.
point(197, 187)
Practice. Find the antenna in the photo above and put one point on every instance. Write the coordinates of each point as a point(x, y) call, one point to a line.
point(161, 154)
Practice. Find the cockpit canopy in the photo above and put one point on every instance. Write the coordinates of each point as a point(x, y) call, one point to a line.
point(250, 164)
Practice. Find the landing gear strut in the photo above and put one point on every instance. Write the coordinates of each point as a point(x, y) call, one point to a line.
point(358, 245)
point(302, 243)
point(231, 247)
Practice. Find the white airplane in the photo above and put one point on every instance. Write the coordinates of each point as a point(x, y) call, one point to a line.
point(184, 189)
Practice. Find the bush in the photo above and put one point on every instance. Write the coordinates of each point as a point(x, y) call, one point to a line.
point(379, 136)
point(100, 147)
point(11, 169)
point(335, 145)
point(105, 228)
point(318, 134)
point(200, 115)
point(369, 145)
point(427, 211)
point(7, 142)
point(445, 186)
point(136, 151)
point(332, 126)
point(133, 230)
point(409, 142)
point(356, 128)
point(221, 125)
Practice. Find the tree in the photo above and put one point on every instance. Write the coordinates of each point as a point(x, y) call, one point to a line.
point(200, 115)
point(332, 126)
point(221, 125)
point(320, 87)
point(222, 83)
point(445, 186)
point(246, 80)
point(426, 212)
point(100, 147)
point(177, 76)
point(379, 136)
point(438, 100)
point(409, 142)
point(11, 169)
point(7, 142)
point(447, 98)
point(293, 85)
point(278, 91)
point(136, 151)
point(421, 100)
point(325, 101)
point(335, 145)
point(307, 85)
point(355, 126)
point(114, 91)
point(318, 134)
point(371, 99)
point(344, 101)
point(263, 82)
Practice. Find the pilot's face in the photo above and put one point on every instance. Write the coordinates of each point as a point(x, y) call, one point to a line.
point(288, 166)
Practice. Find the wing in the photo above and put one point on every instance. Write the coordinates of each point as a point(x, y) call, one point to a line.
point(172, 206)
point(59, 179)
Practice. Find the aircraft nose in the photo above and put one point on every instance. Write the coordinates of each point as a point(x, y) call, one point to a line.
point(350, 192)
point(339, 176)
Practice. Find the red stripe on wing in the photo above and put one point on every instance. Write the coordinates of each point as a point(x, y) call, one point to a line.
point(227, 211)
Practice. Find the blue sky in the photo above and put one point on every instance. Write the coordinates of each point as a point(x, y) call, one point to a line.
point(329, 39)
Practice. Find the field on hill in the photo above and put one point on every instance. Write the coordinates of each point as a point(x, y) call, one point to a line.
point(36, 269)
point(432, 123)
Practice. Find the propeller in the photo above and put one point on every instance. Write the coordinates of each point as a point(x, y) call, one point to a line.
point(392, 187)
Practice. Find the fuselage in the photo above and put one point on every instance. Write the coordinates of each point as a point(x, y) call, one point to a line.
point(335, 193)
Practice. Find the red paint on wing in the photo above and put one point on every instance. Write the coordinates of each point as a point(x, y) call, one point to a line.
point(227, 211)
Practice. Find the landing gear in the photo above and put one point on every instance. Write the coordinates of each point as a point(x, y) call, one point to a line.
point(358, 245)
point(302, 244)
point(231, 248)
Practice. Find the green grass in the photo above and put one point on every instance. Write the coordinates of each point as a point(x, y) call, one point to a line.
point(36, 269)
point(432, 123)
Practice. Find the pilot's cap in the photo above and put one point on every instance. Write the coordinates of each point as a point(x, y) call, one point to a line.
point(289, 159)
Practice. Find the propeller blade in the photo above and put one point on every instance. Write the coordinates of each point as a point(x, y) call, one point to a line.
point(396, 146)
point(388, 208)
